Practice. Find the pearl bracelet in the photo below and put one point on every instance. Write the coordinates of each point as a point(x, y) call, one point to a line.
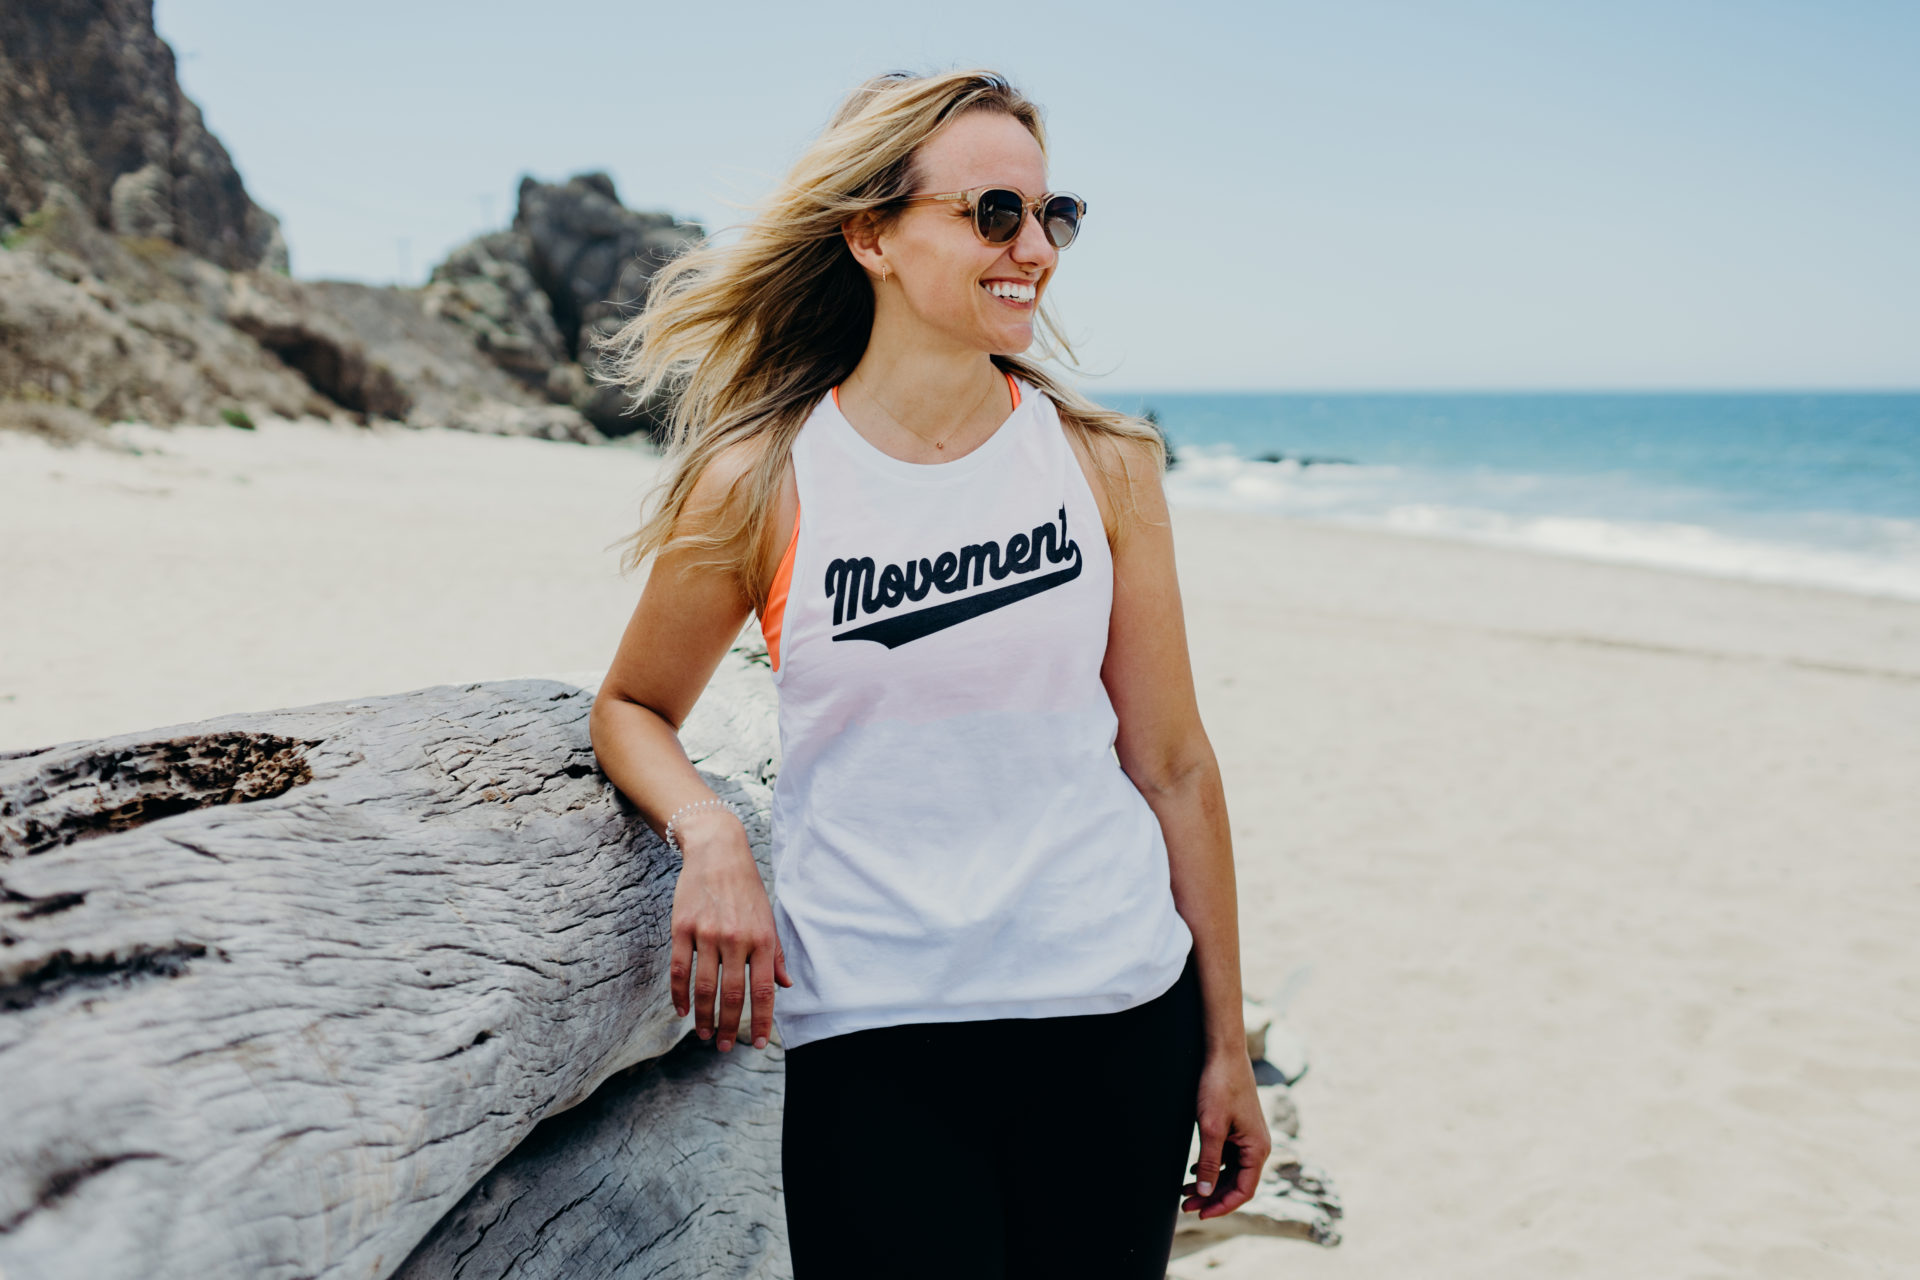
point(695, 804)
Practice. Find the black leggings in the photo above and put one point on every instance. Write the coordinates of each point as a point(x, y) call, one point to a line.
point(995, 1149)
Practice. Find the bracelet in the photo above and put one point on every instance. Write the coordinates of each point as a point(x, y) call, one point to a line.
point(694, 804)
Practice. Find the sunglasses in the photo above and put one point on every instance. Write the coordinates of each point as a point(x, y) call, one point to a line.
point(999, 211)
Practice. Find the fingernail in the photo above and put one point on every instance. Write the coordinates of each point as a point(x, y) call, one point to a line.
point(759, 1042)
point(706, 1035)
point(1206, 1188)
point(725, 1045)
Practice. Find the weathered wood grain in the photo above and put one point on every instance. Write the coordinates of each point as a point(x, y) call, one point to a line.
point(277, 989)
point(670, 1171)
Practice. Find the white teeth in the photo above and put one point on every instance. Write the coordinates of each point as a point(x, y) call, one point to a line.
point(1008, 289)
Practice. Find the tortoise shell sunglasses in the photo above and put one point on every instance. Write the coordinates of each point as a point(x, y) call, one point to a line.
point(999, 211)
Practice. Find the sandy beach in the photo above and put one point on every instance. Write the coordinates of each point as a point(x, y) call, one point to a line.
point(1597, 884)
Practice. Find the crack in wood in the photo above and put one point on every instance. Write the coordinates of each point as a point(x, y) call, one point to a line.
point(62, 1183)
point(63, 971)
point(103, 792)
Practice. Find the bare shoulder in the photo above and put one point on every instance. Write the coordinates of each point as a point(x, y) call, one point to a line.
point(1119, 467)
point(715, 483)
point(722, 482)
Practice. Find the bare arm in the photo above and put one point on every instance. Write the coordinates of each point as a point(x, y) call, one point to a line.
point(1164, 749)
point(687, 617)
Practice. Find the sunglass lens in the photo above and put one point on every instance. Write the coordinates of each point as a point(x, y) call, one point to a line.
point(1061, 218)
point(998, 215)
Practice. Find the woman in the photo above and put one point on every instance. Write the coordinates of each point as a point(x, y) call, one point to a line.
point(1011, 964)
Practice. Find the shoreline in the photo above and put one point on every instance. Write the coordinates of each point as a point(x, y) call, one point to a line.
point(1211, 479)
point(185, 461)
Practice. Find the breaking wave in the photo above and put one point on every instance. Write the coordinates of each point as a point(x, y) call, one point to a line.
point(1613, 517)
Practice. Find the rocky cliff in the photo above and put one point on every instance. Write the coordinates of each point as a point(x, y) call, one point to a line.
point(141, 281)
point(89, 102)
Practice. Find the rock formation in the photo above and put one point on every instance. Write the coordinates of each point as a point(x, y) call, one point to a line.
point(122, 327)
point(140, 281)
point(89, 102)
point(536, 297)
point(292, 994)
point(130, 328)
point(486, 286)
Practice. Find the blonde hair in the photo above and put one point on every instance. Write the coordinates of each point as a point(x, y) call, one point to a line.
point(746, 337)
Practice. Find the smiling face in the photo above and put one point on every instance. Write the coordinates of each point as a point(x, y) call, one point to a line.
point(942, 277)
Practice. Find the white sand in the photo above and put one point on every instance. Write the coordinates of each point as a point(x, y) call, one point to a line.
point(1606, 877)
point(229, 570)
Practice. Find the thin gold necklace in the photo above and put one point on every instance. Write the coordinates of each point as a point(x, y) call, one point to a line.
point(938, 444)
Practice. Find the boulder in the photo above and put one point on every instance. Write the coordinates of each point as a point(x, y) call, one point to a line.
point(448, 382)
point(280, 315)
point(537, 297)
point(596, 259)
point(486, 287)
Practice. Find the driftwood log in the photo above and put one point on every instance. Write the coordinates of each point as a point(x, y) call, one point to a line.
point(625, 1183)
point(279, 992)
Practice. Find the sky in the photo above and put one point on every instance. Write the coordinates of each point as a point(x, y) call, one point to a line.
point(1353, 195)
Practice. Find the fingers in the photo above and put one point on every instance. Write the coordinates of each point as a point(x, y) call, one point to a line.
point(1221, 1186)
point(1233, 1178)
point(723, 932)
point(681, 970)
point(763, 962)
point(721, 992)
point(706, 981)
point(1207, 1168)
point(733, 990)
point(1246, 1181)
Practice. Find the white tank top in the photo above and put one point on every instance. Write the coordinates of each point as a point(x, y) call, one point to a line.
point(953, 837)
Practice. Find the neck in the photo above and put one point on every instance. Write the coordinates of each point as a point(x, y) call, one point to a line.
point(929, 387)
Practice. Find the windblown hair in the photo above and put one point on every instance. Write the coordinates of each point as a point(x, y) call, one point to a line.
point(745, 337)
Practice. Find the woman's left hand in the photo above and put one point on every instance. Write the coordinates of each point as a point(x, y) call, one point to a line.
point(1234, 1142)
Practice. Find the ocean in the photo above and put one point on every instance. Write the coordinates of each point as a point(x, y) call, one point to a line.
point(1821, 489)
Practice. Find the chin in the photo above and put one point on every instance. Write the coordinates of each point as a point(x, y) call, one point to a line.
point(1011, 344)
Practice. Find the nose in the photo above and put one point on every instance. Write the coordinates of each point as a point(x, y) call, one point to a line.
point(1031, 248)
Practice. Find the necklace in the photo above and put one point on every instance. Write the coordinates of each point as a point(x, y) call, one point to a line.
point(938, 444)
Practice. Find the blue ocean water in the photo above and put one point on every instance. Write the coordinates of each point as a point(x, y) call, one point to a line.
point(1814, 488)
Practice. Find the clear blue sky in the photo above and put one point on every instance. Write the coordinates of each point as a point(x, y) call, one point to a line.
point(1334, 195)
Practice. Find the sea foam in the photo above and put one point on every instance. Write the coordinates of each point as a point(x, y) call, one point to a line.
point(1613, 518)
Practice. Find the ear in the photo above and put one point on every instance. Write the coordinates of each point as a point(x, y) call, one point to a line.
point(862, 234)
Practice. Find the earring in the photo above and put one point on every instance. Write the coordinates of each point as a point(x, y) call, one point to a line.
point(883, 275)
